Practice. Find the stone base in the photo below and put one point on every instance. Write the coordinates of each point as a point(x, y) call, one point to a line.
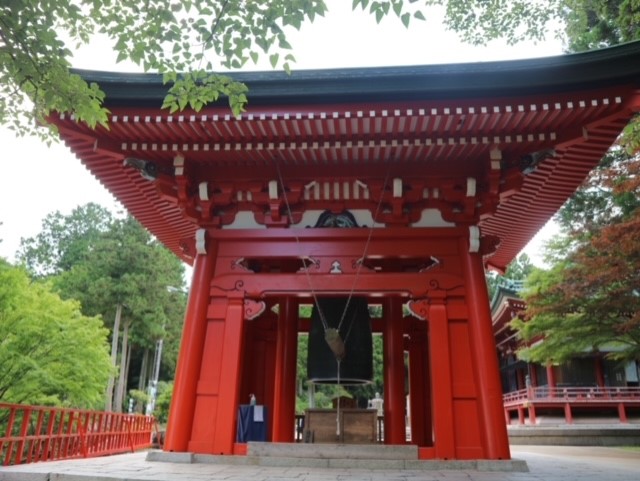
point(332, 451)
point(575, 435)
point(340, 456)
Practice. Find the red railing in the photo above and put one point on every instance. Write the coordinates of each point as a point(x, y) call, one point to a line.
point(29, 434)
point(525, 401)
point(585, 394)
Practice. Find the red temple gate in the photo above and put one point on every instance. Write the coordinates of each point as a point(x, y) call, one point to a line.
point(449, 169)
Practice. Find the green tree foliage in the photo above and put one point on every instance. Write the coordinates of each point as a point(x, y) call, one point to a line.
point(64, 240)
point(185, 40)
point(589, 300)
point(163, 401)
point(49, 352)
point(139, 400)
point(592, 24)
point(600, 201)
point(126, 267)
point(517, 270)
point(111, 263)
point(583, 24)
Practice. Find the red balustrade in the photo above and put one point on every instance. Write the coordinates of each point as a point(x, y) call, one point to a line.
point(525, 401)
point(30, 434)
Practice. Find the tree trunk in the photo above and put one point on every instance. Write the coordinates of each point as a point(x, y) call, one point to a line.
point(117, 404)
point(125, 388)
point(114, 357)
point(144, 371)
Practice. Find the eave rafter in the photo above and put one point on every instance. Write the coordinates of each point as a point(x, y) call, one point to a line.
point(435, 130)
point(390, 199)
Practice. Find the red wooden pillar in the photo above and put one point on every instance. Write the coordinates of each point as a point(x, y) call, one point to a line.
point(622, 414)
point(284, 400)
point(520, 415)
point(441, 385)
point(419, 393)
point(532, 414)
point(191, 347)
point(568, 415)
point(393, 355)
point(551, 378)
point(229, 373)
point(258, 362)
point(486, 367)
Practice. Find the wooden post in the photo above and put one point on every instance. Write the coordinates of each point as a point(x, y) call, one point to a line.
point(486, 367)
point(551, 379)
point(393, 354)
point(532, 414)
point(622, 414)
point(568, 416)
point(419, 393)
point(520, 415)
point(284, 398)
point(190, 358)
point(441, 387)
point(230, 376)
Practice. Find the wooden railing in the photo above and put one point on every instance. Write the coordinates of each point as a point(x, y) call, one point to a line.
point(572, 393)
point(525, 401)
point(30, 434)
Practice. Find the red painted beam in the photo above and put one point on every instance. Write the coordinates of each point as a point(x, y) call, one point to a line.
point(416, 285)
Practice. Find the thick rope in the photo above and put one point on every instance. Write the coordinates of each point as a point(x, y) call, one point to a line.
point(332, 335)
point(299, 245)
point(366, 248)
point(338, 403)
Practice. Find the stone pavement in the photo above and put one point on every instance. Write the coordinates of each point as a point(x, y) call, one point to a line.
point(546, 463)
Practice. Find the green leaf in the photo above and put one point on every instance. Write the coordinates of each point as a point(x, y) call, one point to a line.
point(282, 43)
point(397, 8)
point(406, 18)
point(273, 59)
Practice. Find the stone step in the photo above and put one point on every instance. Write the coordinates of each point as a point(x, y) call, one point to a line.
point(513, 465)
point(332, 451)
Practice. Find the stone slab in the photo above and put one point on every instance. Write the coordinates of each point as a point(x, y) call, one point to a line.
point(169, 457)
point(332, 451)
point(545, 463)
point(574, 435)
point(373, 464)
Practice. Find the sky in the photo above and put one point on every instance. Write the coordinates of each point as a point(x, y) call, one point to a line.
point(36, 179)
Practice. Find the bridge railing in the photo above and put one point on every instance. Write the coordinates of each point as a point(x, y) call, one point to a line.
point(30, 434)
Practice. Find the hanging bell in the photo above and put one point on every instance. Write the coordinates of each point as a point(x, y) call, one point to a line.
point(350, 342)
point(335, 342)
